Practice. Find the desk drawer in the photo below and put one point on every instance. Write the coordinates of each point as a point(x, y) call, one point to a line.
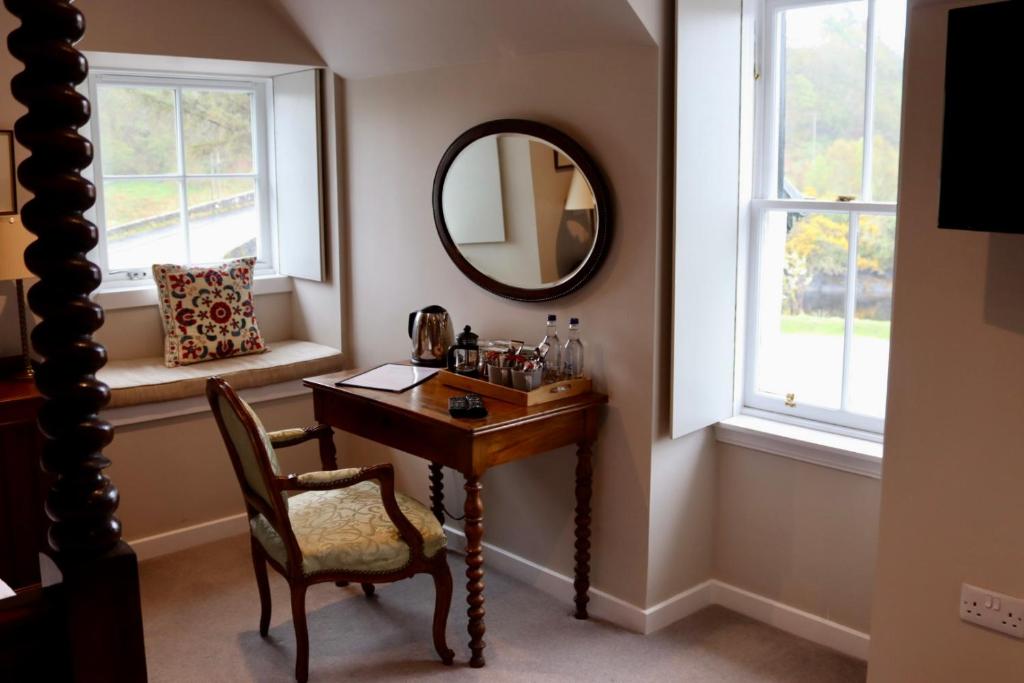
point(434, 441)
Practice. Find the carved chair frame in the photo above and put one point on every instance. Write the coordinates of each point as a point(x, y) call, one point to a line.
point(277, 515)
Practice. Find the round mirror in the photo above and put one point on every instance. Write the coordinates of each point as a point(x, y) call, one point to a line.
point(521, 209)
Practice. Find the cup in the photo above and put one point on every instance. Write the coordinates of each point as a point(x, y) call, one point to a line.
point(526, 380)
point(494, 374)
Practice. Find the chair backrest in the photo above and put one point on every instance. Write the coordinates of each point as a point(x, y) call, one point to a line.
point(250, 449)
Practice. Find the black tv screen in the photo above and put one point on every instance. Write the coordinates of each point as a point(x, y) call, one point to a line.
point(983, 134)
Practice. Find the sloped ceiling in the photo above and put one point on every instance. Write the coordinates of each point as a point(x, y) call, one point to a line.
point(366, 38)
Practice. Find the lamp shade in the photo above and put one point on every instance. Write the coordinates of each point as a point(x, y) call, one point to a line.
point(580, 195)
point(13, 240)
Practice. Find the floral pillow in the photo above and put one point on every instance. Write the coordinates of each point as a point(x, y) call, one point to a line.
point(207, 311)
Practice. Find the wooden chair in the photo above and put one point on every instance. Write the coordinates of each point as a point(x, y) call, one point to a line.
point(346, 525)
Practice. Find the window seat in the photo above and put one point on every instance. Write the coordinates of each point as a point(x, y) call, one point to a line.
point(139, 381)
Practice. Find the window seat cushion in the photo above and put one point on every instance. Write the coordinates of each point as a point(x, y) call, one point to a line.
point(148, 380)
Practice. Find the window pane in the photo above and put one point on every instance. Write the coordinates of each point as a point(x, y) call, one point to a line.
point(869, 359)
point(143, 219)
point(801, 315)
point(223, 219)
point(138, 130)
point(891, 24)
point(218, 131)
point(821, 123)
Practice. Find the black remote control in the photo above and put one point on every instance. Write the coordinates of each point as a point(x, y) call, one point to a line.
point(470, 405)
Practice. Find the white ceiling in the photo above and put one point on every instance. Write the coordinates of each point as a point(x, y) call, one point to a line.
point(365, 38)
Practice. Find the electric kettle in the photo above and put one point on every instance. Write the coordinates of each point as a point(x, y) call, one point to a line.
point(430, 330)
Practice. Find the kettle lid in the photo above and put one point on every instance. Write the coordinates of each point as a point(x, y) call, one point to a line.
point(433, 309)
point(467, 337)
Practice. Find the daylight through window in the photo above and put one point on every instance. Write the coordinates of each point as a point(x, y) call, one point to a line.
point(180, 172)
point(824, 212)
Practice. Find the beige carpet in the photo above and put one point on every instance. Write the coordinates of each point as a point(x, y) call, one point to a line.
point(201, 616)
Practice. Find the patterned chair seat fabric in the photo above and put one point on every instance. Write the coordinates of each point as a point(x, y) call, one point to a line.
point(348, 530)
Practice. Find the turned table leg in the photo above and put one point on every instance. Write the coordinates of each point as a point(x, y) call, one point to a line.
point(328, 453)
point(437, 491)
point(584, 477)
point(474, 528)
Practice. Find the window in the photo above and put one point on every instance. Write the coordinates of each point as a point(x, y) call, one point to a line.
point(823, 211)
point(181, 170)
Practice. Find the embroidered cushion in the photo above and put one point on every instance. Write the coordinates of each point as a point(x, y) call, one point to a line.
point(348, 530)
point(207, 311)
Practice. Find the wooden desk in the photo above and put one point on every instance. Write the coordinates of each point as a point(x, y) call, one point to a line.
point(417, 422)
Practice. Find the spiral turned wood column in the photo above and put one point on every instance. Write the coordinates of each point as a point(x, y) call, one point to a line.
point(584, 489)
point(82, 501)
point(474, 528)
point(437, 491)
point(96, 616)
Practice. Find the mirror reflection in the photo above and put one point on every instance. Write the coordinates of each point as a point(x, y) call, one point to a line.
point(520, 210)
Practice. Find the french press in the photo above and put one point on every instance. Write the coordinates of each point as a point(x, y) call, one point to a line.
point(464, 355)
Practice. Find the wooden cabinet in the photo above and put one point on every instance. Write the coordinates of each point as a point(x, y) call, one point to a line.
point(22, 520)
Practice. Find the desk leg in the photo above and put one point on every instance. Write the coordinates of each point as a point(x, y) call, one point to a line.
point(328, 453)
point(437, 491)
point(584, 477)
point(474, 528)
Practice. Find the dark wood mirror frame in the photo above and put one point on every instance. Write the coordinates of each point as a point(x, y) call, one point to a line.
point(586, 165)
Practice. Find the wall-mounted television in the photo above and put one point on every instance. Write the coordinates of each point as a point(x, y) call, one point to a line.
point(982, 178)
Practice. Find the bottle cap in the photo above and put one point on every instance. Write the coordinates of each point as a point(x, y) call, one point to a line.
point(552, 317)
point(574, 321)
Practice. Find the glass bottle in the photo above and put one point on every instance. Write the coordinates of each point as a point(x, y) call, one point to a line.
point(572, 355)
point(550, 349)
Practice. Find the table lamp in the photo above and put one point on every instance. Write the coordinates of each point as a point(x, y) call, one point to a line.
point(580, 196)
point(13, 240)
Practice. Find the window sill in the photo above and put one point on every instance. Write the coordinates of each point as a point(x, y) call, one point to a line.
point(138, 295)
point(145, 390)
point(844, 453)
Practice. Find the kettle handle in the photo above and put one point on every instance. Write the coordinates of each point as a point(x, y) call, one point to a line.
point(412, 316)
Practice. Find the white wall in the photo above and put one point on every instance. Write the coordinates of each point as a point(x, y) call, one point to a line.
point(952, 509)
point(797, 533)
point(176, 473)
point(397, 128)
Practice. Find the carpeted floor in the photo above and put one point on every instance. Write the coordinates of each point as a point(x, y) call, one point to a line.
point(201, 616)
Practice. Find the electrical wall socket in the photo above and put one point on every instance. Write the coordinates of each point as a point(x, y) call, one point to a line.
point(1003, 613)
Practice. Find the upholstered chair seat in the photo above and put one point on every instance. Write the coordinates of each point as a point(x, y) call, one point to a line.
point(348, 530)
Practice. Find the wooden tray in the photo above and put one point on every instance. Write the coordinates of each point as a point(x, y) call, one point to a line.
point(545, 393)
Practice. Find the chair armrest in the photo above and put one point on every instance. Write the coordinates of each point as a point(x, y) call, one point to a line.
point(283, 438)
point(324, 481)
point(340, 479)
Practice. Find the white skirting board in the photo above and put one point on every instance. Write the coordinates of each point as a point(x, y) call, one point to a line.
point(188, 537)
point(602, 605)
point(711, 592)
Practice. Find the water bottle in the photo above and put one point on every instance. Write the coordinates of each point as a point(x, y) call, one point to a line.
point(572, 355)
point(550, 349)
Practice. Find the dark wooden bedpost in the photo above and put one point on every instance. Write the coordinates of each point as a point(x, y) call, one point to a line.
point(100, 573)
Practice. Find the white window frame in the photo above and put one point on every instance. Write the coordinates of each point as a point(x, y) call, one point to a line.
point(263, 171)
point(767, 94)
